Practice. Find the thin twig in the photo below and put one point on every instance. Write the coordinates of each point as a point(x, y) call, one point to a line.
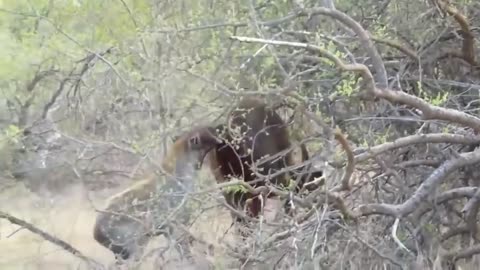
point(52, 239)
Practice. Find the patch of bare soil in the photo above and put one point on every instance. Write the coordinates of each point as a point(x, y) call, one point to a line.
point(71, 217)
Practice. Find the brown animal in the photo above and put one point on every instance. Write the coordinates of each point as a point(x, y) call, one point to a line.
point(255, 131)
point(138, 213)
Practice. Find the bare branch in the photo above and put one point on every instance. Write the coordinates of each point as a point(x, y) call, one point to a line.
point(468, 46)
point(369, 246)
point(38, 77)
point(454, 232)
point(407, 51)
point(429, 111)
point(363, 36)
point(426, 188)
point(417, 139)
point(421, 162)
point(89, 63)
point(395, 237)
point(52, 239)
point(452, 194)
point(338, 135)
point(463, 253)
point(350, 168)
point(471, 210)
point(56, 94)
point(472, 202)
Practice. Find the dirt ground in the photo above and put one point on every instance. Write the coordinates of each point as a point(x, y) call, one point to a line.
point(70, 217)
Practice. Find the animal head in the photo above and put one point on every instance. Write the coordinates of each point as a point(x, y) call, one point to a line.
point(201, 141)
point(194, 145)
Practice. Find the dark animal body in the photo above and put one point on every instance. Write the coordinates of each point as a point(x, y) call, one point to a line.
point(138, 213)
point(255, 131)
